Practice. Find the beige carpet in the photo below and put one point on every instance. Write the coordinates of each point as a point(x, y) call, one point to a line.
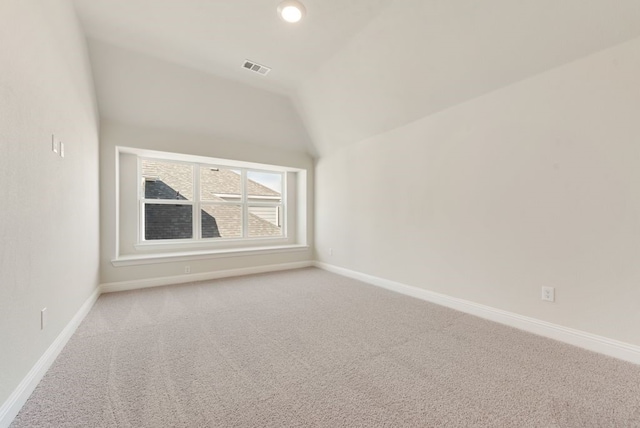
point(309, 348)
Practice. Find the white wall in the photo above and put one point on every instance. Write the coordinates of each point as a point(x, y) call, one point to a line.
point(49, 218)
point(136, 88)
point(148, 103)
point(534, 184)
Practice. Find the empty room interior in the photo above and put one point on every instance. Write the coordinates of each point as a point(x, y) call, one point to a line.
point(330, 213)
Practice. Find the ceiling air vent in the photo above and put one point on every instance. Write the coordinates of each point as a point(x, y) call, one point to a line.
point(256, 68)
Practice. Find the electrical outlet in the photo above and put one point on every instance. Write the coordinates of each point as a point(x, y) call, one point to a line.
point(187, 269)
point(61, 149)
point(43, 318)
point(548, 294)
point(54, 144)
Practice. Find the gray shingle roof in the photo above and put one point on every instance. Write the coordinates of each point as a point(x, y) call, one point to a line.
point(226, 181)
point(171, 222)
point(212, 181)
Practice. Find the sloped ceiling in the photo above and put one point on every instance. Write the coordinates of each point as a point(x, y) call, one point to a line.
point(138, 89)
point(216, 36)
point(361, 67)
point(421, 57)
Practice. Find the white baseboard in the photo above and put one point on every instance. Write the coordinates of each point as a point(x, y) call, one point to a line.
point(21, 394)
point(193, 277)
point(592, 342)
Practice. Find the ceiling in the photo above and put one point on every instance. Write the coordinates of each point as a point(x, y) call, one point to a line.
point(351, 68)
point(421, 57)
point(217, 36)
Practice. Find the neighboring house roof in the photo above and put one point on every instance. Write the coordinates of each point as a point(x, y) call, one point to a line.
point(167, 180)
point(212, 181)
point(226, 181)
point(177, 176)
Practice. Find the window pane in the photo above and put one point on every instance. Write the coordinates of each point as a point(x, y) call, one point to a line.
point(265, 221)
point(221, 221)
point(264, 186)
point(219, 184)
point(167, 180)
point(162, 221)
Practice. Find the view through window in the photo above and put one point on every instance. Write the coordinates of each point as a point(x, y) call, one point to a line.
point(189, 201)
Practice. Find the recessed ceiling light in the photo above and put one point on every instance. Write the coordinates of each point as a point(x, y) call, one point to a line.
point(291, 10)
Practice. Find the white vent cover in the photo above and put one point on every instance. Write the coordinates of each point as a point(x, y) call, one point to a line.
point(256, 68)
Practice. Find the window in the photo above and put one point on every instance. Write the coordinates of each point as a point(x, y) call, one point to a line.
point(179, 206)
point(186, 201)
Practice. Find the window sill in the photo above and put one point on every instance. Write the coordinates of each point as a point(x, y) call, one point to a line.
point(146, 259)
point(177, 246)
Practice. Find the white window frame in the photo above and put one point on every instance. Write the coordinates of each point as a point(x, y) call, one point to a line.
point(197, 203)
point(128, 252)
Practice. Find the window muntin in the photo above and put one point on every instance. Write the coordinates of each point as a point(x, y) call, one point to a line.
point(230, 203)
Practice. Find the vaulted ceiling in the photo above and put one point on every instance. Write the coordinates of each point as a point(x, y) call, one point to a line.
point(216, 36)
point(356, 68)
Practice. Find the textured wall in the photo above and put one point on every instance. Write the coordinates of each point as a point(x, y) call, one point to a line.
point(49, 221)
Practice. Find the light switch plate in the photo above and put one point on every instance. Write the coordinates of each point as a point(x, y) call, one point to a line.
point(43, 318)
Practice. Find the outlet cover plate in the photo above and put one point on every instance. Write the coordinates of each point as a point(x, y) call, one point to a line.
point(548, 294)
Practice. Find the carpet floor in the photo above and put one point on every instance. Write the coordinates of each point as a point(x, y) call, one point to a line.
point(307, 348)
